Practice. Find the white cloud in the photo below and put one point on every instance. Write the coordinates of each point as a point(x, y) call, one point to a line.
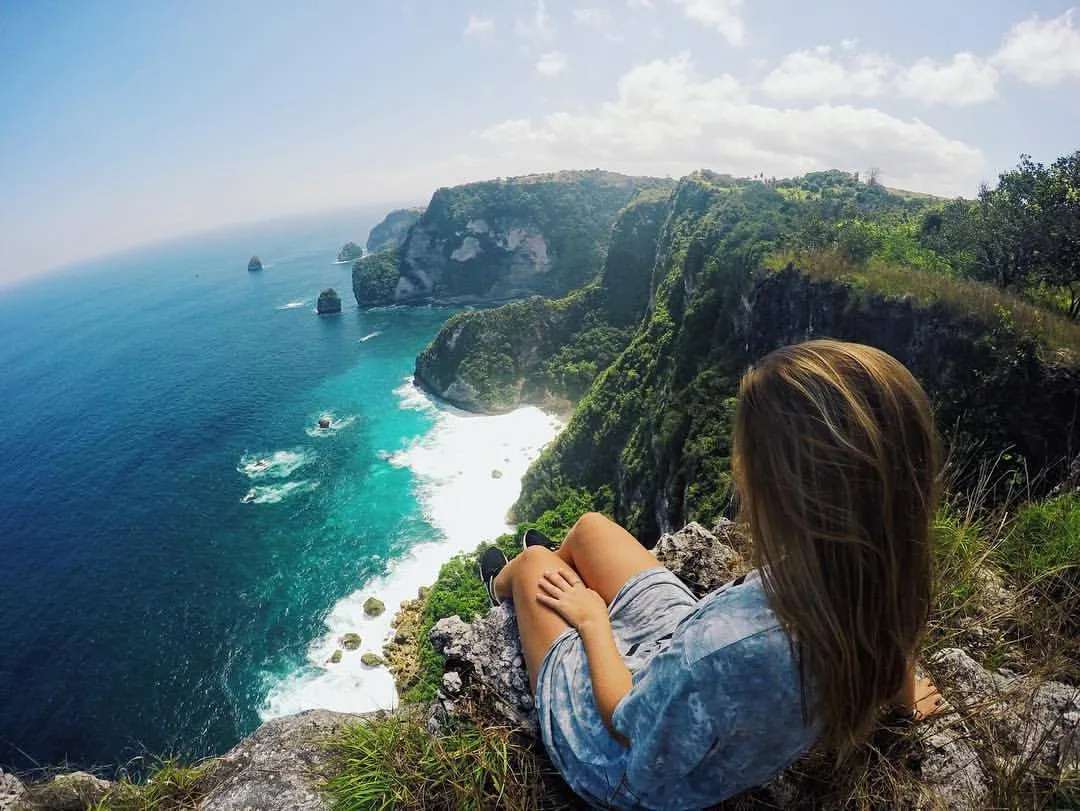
point(814, 75)
point(639, 4)
point(479, 27)
point(1042, 52)
point(721, 15)
point(849, 44)
point(538, 27)
point(967, 79)
point(666, 119)
point(551, 64)
point(592, 16)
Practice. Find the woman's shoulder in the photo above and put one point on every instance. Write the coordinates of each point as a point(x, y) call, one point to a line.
point(736, 614)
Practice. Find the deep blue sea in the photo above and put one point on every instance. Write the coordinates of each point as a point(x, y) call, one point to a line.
point(181, 547)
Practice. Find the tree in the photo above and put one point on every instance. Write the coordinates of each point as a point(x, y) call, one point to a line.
point(1029, 228)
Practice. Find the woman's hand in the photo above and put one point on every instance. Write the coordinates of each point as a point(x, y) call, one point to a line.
point(563, 592)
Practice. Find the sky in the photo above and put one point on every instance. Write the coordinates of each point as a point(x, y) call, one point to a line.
point(125, 122)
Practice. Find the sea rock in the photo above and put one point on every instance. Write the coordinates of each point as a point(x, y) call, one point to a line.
point(329, 302)
point(277, 767)
point(349, 252)
point(335, 657)
point(12, 792)
point(350, 641)
point(371, 659)
point(324, 422)
point(254, 264)
point(496, 473)
point(373, 607)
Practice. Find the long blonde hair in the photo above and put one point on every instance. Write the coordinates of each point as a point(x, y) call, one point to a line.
point(837, 469)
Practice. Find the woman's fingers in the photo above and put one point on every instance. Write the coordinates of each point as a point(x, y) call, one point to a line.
point(561, 579)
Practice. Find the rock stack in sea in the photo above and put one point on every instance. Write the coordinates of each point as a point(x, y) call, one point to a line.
point(329, 302)
point(254, 263)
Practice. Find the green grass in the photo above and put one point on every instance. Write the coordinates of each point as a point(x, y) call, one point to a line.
point(1045, 541)
point(1057, 335)
point(169, 785)
point(396, 762)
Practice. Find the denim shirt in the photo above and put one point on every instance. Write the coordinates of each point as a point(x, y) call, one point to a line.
point(714, 709)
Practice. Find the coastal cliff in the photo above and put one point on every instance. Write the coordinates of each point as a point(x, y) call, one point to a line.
point(500, 240)
point(549, 351)
point(393, 229)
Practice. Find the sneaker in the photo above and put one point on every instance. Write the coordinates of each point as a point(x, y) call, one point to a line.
point(534, 537)
point(491, 563)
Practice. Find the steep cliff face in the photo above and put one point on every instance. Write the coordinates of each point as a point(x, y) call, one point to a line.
point(505, 239)
point(391, 232)
point(655, 428)
point(544, 351)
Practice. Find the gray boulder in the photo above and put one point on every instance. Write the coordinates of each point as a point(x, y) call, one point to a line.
point(277, 767)
point(1032, 722)
point(699, 558)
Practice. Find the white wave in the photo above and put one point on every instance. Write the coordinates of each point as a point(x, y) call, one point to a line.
point(274, 493)
point(336, 424)
point(452, 466)
point(276, 465)
point(369, 336)
point(294, 305)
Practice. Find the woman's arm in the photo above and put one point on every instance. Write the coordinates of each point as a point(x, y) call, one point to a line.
point(611, 678)
point(584, 609)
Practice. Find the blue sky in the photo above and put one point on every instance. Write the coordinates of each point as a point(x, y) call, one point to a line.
point(131, 121)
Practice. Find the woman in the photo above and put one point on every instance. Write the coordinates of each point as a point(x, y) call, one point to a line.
point(650, 698)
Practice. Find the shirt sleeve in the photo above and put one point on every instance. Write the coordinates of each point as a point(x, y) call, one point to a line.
point(672, 718)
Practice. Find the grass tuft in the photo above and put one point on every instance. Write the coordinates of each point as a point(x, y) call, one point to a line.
point(397, 762)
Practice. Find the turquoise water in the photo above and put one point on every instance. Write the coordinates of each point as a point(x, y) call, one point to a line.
point(180, 546)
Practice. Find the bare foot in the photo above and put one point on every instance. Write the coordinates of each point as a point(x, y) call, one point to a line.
point(928, 701)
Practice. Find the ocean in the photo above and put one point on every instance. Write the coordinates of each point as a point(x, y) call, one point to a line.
point(181, 546)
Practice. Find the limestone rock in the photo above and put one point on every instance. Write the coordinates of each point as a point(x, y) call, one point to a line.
point(373, 607)
point(12, 792)
point(371, 659)
point(254, 264)
point(277, 767)
point(1034, 722)
point(335, 657)
point(698, 557)
point(487, 654)
point(329, 302)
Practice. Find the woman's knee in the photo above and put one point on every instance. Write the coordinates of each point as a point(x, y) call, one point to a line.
point(534, 560)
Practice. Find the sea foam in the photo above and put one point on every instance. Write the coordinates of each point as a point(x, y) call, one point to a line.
point(452, 467)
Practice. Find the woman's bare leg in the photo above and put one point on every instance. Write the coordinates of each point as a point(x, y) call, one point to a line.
point(604, 554)
point(538, 625)
point(598, 550)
